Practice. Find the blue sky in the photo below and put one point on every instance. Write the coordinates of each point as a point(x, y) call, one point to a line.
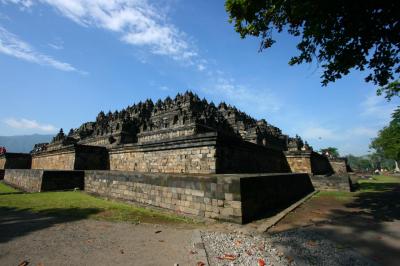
point(62, 61)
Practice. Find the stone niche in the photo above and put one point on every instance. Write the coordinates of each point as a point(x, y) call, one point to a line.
point(205, 153)
point(72, 157)
point(11, 160)
point(238, 198)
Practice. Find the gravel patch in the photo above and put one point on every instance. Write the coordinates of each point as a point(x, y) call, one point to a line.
point(297, 247)
point(307, 247)
point(238, 249)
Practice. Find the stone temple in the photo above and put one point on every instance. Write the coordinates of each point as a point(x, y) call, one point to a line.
point(184, 154)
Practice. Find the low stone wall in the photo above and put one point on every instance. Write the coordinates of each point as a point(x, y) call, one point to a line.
point(73, 157)
point(227, 197)
point(320, 164)
point(37, 180)
point(339, 165)
point(308, 162)
point(205, 153)
point(24, 179)
point(299, 163)
point(194, 154)
point(332, 183)
point(236, 156)
point(264, 195)
point(11, 160)
point(63, 159)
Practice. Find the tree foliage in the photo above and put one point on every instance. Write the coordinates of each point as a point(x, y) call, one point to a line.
point(388, 140)
point(340, 35)
point(369, 162)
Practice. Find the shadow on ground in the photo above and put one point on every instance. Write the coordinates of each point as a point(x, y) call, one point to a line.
point(16, 222)
point(369, 224)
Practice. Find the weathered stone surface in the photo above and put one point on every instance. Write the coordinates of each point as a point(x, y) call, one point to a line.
point(203, 153)
point(187, 193)
point(72, 157)
point(11, 160)
point(180, 135)
point(308, 162)
point(264, 195)
point(332, 182)
point(185, 115)
point(339, 165)
point(36, 180)
point(326, 173)
point(184, 155)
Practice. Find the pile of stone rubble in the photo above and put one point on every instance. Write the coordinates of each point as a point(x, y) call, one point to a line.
point(297, 247)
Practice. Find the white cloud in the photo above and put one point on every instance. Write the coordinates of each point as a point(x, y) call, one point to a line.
point(260, 101)
point(363, 132)
point(57, 44)
point(320, 133)
point(29, 124)
point(353, 140)
point(201, 67)
point(377, 107)
point(24, 4)
point(11, 45)
point(138, 22)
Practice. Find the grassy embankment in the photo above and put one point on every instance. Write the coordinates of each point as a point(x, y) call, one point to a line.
point(374, 184)
point(79, 205)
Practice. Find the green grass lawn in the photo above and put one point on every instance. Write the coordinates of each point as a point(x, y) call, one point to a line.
point(378, 183)
point(338, 195)
point(81, 205)
point(6, 189)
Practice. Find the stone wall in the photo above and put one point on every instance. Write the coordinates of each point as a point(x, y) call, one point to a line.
point(91, 158)
point(29, 180)
point(332, 182)
point(320, 164)
point(102, 141)
point(339, 165)
point(236, 156)
point(73, 157)
point(63, 159)
point(166, 134)
point(308, 162)
point(202, 153)
point(195, 154)
point(36, 180)
point(225, 197)
point(11, 160)
point(264, 195)
point(299, 164)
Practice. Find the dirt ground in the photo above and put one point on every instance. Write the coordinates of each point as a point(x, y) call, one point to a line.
point(368, 222)
point(41, 240)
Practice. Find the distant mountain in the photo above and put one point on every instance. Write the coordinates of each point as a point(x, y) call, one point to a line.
point(23, 143)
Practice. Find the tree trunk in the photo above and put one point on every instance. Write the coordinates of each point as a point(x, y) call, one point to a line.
point(397, 170)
